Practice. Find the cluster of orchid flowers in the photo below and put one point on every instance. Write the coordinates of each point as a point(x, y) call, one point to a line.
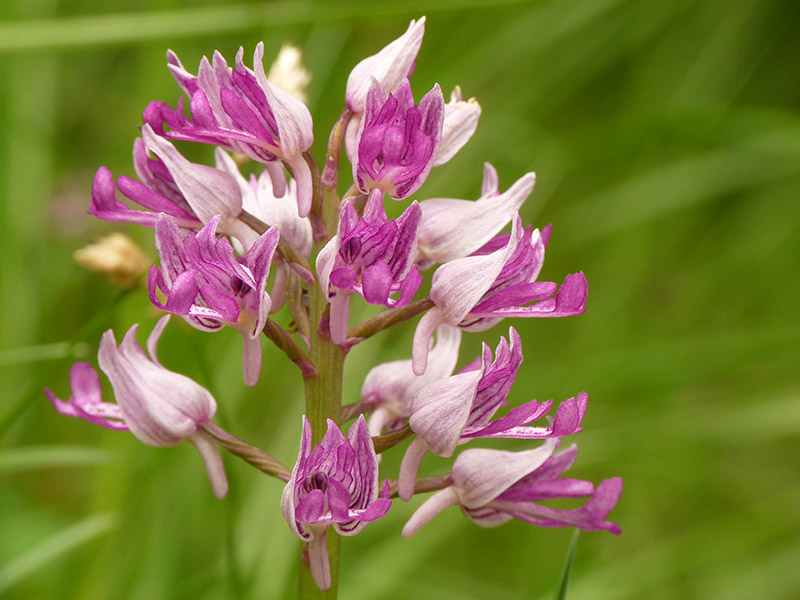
point(235, 250)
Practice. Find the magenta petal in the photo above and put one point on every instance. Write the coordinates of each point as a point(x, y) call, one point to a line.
point(375, 510)
point(590, 517)
point(86, 402)
point(570, 414)
point(409, 286)
point(571, 298)
point(377, 282)
point(207, 190)
point(515, 296)
point(521, 415)
point(344, 278)
point(223, 304)
point(85, 383)
point(182, 294)
point(104, 203)
point(547, 489)
point(311, 507)
point(552, 468)
point(338, 500)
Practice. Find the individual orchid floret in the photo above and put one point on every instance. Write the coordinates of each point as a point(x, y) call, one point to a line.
point(190, 193)
point(453, 228)
point(240, 109)
point(478, 291)
point(371, 256)
point(494, 486)
point(457, 409)
point(390, 387)
point(333, 484)
point(158, 406)
point(460, 122)
point(398, 141)
point(389, 67)
point(209, 287)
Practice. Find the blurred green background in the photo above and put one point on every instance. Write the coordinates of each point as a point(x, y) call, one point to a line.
point(666, 141)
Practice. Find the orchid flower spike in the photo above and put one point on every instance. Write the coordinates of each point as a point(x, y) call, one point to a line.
point(209, 287)
point(397, 141)
point(493, 486)
point(240, 109)
point(370, 256)
point(158, 406)
point(478, 291)
point(333, 484)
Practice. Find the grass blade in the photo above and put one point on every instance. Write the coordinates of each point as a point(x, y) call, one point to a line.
point(50, 457)
point(561, 592)
point(54, 546)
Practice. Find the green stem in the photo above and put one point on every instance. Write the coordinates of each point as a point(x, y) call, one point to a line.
point(324, 388)
point(323, 402)
point(323, 391)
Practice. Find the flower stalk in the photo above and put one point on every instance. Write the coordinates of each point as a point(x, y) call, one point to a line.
point(323, 402)
point(248, 453)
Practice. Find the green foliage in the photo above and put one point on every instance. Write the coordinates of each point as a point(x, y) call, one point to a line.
point(666, 141)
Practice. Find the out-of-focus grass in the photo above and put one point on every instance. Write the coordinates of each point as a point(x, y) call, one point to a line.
point(666, 141)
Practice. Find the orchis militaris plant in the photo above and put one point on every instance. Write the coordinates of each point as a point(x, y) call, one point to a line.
point(278, 254)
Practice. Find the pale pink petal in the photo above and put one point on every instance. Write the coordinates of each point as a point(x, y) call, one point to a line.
point(480, 474)
point(460, 122)
point(389, 66)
